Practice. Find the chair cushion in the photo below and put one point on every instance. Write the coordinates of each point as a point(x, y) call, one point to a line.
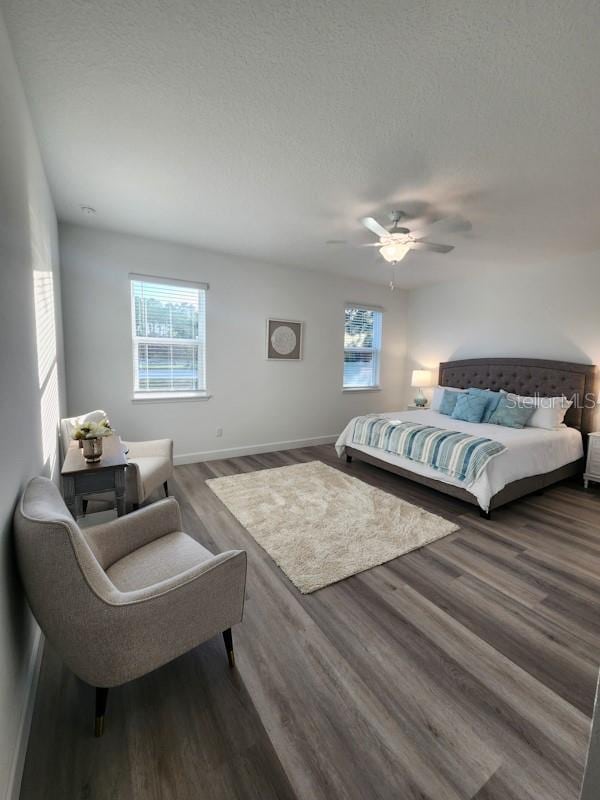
point(154, 471)
point(154, 562)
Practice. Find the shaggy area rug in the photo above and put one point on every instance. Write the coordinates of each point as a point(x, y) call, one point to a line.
point(320, 525)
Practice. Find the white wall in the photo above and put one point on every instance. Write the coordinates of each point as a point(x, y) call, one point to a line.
point(30, 388)
point(549, 312)
point(258, 403)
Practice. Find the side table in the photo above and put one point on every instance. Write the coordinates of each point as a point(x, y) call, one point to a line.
point(108, 474)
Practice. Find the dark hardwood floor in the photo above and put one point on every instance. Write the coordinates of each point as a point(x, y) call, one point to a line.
point(464, 670)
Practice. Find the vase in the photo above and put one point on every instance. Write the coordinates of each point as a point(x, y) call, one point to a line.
point(92, 450)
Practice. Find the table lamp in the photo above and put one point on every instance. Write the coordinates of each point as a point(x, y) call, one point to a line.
point(419, 379)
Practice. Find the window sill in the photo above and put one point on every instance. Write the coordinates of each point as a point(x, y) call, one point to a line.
point(361, 388)
point(169, 397)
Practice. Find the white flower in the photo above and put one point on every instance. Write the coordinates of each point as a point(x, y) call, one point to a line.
point(92, 430)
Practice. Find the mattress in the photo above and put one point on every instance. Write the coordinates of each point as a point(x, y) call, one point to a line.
point(529, 451)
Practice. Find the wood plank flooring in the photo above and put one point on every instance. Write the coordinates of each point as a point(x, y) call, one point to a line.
point(462, 671)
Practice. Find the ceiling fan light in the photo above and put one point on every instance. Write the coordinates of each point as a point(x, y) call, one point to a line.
point(394, 252)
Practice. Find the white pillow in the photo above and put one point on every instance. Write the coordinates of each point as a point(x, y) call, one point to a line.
point(438, 393)
point(549, 411)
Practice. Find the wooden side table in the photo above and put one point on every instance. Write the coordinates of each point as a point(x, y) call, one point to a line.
point(592, 469)
point(108, 474)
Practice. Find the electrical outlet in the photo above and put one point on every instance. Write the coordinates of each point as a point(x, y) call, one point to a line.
point(219, 433)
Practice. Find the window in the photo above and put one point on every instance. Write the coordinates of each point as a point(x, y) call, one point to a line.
point(362, 346)
point(169, 337)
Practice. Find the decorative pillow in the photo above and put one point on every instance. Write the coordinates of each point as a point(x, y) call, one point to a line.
point(470, 407)
point(492, 400)
point(448, 403)
point(548, 412)
point(438, 393)
point(510, 414)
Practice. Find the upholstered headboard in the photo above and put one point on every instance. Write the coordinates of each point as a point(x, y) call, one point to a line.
point(530, 377)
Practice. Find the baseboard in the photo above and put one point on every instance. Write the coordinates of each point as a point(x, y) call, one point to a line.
point(250, 450)
point(13, 789)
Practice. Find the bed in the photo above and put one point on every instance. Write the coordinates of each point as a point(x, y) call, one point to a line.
point(534, 458)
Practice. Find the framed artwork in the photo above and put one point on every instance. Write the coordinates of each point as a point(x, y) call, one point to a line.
point(284, 339)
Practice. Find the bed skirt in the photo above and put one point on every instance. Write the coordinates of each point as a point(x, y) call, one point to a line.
point(512, 491)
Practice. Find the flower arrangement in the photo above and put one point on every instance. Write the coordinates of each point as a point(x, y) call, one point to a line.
point(90, 435)
point(92, 430)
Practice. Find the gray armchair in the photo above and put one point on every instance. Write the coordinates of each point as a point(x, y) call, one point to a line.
point(120, 599)
point(150, 463)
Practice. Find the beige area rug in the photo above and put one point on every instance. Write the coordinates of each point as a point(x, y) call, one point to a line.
point(320, 525)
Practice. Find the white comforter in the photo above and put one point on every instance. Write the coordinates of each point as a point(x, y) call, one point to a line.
point(529, 451)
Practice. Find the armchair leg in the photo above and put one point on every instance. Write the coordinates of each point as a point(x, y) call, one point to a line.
point(101, 697)
point(166, 488)
point(348, 459)
point(84, 504)
point(228, 639)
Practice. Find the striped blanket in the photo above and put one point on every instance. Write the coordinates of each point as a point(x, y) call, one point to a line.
point(457, 454)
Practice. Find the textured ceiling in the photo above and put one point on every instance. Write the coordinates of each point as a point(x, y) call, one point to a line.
point(268, 127)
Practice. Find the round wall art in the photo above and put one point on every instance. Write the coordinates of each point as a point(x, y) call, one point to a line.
point(284, 340)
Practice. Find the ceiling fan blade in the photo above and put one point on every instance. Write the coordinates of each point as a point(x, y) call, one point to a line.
point(434, 248)
point(371, 244)
point(374, 226)
point(336, 241)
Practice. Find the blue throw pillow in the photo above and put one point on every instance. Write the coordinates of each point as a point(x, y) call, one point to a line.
point(448, 402)
point(493, 398)
point(510, 413)
point(469, 407)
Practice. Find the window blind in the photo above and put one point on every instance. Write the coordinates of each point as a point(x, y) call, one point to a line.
point(362, 346)
point(169, 336)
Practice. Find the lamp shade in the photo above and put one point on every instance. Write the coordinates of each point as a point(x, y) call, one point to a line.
point(394, 251)
point(421, 377)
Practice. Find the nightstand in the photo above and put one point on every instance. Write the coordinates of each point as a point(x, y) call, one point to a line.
point(413, 407)
point(592, 469)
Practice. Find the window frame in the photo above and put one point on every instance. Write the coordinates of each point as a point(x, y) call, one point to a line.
point(141, 395)
point(375, 349)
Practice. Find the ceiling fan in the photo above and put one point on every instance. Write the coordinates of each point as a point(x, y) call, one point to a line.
point(396, 241)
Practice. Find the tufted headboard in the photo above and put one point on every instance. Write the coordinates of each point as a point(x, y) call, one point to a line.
point(529, 377)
